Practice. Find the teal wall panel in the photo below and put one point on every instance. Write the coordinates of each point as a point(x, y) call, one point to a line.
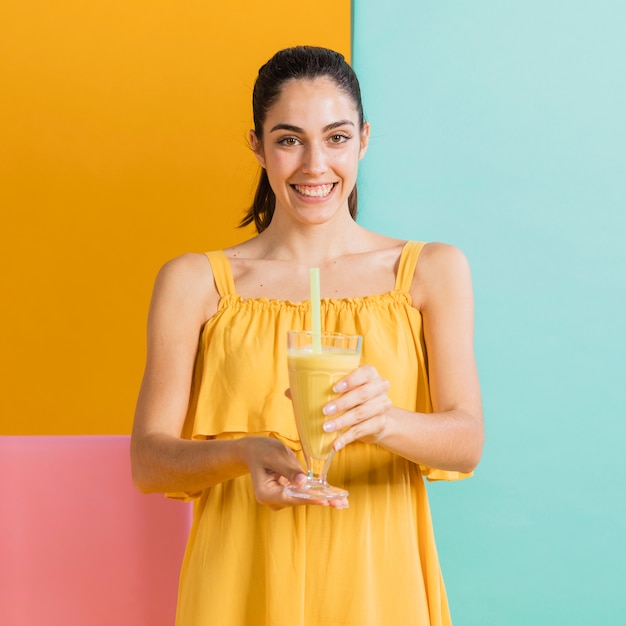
point(500, 127)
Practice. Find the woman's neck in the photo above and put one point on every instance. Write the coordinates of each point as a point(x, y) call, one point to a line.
point(311, 245)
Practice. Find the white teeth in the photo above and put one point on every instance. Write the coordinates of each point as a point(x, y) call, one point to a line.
point(316, 191)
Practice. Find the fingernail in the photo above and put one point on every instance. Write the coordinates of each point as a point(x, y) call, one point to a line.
point(329, 409)
point(338, 445)
point(329, 427)
point(342, 385)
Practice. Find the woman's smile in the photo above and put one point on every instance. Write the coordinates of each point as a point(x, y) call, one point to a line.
point(319, 191)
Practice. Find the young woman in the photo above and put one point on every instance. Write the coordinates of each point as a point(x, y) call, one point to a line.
point(213, 420)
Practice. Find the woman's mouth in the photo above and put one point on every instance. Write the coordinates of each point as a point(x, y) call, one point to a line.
point(315, 191)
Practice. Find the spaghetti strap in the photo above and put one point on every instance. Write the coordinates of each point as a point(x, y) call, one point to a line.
point(222, 273)
point(408, 261)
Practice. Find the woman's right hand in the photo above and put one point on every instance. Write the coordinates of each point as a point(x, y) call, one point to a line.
point(272, 467)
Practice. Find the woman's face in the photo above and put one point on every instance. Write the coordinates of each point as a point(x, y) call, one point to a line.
point(310, 149)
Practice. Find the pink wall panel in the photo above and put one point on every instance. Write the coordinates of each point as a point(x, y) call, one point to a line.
point(79, 546)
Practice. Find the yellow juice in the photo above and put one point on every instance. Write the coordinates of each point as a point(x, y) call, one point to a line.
point(311, 379)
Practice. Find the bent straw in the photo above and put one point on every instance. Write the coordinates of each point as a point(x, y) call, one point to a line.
point(316, 317)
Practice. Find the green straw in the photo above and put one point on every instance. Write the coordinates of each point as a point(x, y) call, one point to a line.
point(316, 318)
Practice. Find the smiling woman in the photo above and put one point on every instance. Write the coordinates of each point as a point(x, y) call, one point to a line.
point(311, 66)
point(214, 421)
point(312, 164)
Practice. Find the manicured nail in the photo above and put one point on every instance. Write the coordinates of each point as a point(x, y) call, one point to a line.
point(342, 385)
point(329, 427)
point(329, 409)
point(338, 445)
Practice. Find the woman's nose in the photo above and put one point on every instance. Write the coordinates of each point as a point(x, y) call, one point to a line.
point(314, 160)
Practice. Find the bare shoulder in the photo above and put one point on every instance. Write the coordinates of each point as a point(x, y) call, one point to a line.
point(186, 283)
point(190, 266)
point(441, 257)
point(442, 271)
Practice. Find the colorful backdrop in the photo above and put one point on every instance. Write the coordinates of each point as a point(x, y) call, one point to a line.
point(122, 144)
point(498, 127)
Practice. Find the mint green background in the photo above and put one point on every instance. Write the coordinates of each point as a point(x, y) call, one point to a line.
point(500, 127)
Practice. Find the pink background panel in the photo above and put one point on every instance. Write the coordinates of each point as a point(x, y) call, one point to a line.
point(79, 546)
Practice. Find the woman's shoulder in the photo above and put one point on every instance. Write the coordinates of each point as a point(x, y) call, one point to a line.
point(441, 267)
point(441, 255)
point(186, 282)
point(191, 266)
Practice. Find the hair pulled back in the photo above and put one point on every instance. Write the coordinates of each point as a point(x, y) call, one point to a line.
point(300, 62)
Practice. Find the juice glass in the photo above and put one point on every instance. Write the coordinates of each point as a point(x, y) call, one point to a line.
point(314, 367)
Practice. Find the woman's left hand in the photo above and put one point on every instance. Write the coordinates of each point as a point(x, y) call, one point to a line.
point(362, 408)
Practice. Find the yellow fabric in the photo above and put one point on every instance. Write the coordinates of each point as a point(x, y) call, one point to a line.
point(373, 564)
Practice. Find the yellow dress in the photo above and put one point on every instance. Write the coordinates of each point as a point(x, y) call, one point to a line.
point(373, 564)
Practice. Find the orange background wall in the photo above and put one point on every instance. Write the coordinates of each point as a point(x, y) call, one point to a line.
point(122, 144)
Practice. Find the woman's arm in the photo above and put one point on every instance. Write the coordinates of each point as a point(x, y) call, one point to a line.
point(184, 297)
point(450, 438)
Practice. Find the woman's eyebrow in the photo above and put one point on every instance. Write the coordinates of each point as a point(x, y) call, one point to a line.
point(297, 129)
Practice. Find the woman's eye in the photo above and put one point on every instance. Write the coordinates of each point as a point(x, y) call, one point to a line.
point(289, 141)
point(338, 138)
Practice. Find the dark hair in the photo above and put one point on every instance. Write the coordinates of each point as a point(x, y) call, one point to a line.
point(301, 62)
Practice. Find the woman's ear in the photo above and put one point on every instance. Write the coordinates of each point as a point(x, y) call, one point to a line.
point(257, 147)
point(365, 139)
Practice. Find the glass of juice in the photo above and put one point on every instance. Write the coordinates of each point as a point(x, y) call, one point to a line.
point(315, 364)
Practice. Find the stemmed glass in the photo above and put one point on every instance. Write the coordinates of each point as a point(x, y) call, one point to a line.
point(316, 363)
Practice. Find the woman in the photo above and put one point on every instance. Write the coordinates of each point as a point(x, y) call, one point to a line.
point(213, 421)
